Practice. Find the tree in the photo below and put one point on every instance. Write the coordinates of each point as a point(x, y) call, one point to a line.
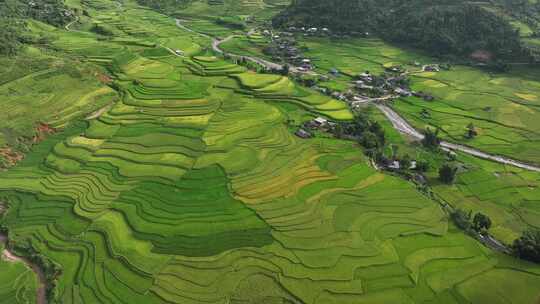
point(285, 70)
point(528, 246)
point(447, 174)
point(405, 162)
point(462, 219)
point(369, 140)
point(338, 131)
point(431, 139)
point(422, 166)
point(481, 222)
point(395, 149)
point(471, 131)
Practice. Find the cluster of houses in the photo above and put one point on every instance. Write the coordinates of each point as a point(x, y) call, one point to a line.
point(319, 123)
point(284, 47)
point(371, 86)
point(311, 31)
point(397, 165)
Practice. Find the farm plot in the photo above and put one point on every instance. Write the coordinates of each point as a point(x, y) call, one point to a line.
point(509, 196)
point(280, 88)
point(53, 96)
point(502, 107)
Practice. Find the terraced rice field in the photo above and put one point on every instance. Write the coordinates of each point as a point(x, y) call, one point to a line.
point(193, 189)
point(53, 92)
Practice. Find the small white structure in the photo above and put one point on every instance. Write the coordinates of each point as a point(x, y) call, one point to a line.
point(432, 68)
point(402, 92)
point(394, 165)
point(320, 121)
point(179, 52)
point(366, 77)
point(413, 165)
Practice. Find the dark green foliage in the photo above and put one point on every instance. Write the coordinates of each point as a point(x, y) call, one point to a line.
point(422, 166)
point(481, 222)
point(441, 27)
point(101, 30)
point(369, 140)
point(528, 246)
point(431, 139)
point(462, 219)
point(405, 162)
point(447, 174)
point(471, 131)
point(232, 22)
point(10, 36)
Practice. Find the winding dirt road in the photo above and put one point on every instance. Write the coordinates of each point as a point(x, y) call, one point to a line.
point(216, 47)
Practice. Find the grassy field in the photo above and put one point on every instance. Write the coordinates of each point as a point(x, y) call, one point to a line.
point(192, 188)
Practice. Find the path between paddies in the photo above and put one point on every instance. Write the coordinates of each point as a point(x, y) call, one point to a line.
point(398, 122)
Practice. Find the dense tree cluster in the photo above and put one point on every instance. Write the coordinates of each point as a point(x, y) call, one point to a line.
point(442, 27)
point(528, 246)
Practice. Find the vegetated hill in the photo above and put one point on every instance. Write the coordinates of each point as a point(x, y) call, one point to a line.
point(441, 27)
point(13, 14)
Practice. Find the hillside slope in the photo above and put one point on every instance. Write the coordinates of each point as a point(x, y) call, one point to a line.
point(440, 27)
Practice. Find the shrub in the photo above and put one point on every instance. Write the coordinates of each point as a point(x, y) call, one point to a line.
point(528, 246)
point(447, 174)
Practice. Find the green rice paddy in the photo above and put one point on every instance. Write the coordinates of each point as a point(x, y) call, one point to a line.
point(192, 188)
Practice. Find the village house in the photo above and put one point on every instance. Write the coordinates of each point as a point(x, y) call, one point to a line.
point(303, 134)
point(402, 92)
point(366, 77)
point(432, 68)
point(395, 165)
point(320, 121)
